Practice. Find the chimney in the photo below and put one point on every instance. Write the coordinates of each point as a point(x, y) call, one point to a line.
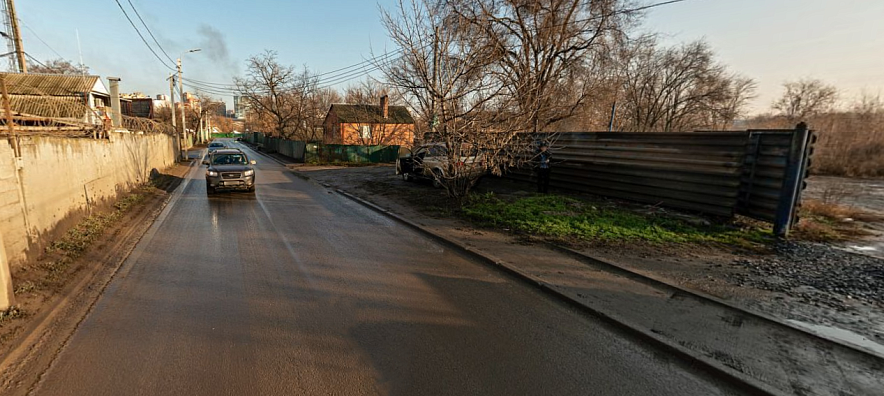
point(385, 106)
point(116, 116)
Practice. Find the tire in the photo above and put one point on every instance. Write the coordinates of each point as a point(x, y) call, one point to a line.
point(252, 190)
point(210, 190)
point(407, 177)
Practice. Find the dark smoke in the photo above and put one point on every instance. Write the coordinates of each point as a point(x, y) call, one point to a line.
point(215, 48)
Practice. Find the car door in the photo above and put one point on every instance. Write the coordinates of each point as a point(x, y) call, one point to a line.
point(417, 161)
point(405, 165)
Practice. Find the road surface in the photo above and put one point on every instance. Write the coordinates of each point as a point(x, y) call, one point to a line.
point(297, 290)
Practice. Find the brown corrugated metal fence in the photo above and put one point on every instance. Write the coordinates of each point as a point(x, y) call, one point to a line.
point(718, 173)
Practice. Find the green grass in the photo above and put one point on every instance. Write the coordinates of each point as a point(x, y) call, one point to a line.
point(567, 218)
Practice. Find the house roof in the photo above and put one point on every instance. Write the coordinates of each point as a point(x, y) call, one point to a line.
point(371, 114)
point(48, 106)
point(52, 84)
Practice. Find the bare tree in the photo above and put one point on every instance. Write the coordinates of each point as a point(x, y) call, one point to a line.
point(805, 98)
point(318, 103)
point(57, 66)
point(278, 94)
point(442, 74)
point(544, 50)
point(366, 92)
point(678, 89)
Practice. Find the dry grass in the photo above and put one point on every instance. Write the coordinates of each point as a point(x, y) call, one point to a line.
point(850, 142)
point(830, 222)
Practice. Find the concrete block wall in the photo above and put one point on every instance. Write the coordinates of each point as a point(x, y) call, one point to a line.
point(12, 221)
point(62, 180)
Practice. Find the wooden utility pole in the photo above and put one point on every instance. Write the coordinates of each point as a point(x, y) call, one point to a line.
point(172, 107)
point(7, 110)
point(16, 37)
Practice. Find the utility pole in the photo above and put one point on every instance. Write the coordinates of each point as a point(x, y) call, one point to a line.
point(181, 91)
point(183, 103)
point(16, 37)
point(174, 126)
point(208, 126)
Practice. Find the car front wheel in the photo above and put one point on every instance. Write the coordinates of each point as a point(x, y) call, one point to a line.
point(210, 190)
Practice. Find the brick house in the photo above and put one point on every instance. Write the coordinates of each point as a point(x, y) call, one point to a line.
point(368, 125)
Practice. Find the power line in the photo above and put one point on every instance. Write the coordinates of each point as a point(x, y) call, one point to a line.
point(376, 58)
point(368, 66)
point(35, 60)
point(149, 32)
point(334, 76)
point(40, 39)
point(142, 37)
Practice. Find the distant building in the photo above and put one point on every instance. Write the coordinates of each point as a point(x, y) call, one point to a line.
point(365, 124)
point(161, 101)
point(239, 107)
point(220, 108)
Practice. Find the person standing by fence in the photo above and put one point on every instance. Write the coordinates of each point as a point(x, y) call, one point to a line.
point(544, 167)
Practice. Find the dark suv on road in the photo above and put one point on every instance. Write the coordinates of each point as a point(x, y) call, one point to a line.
point(229, 169)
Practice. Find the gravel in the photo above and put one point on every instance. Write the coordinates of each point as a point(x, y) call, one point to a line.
point(816, 274)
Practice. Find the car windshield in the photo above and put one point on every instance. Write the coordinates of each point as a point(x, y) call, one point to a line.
point(216, 145)
point(229, 159)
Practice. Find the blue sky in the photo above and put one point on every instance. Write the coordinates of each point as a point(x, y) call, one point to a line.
point(841, 42)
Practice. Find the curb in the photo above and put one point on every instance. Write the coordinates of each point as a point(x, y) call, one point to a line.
point(661, 283)
point(712, 367)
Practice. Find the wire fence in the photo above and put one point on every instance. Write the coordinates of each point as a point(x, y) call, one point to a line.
point(26, 109)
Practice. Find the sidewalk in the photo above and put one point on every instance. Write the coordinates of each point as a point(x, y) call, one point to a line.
point(740, 344)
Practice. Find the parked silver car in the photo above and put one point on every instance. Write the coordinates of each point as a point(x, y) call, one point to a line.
point(431, 161)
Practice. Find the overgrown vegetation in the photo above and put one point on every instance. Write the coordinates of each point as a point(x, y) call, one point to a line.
point(560, 217)
point(851, 134)
point(80, 237)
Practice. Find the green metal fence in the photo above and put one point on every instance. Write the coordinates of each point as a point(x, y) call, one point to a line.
point(357, 154)
point(315, 152)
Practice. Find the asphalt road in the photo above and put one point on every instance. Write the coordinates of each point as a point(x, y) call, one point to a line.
point(299, 291)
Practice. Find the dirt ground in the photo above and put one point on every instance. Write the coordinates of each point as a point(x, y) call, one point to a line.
point(824, 288)
point(53, 291)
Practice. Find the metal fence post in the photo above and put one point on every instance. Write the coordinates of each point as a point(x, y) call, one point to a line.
point(792, 182)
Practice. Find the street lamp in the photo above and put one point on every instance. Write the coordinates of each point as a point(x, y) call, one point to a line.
point(181, 91)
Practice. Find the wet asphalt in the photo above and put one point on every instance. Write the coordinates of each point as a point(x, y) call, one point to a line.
point(297, 290)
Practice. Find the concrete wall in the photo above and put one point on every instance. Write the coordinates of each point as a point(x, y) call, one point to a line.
point(58, 181)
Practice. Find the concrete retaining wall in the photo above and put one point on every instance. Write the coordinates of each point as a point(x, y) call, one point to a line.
point(58, 181)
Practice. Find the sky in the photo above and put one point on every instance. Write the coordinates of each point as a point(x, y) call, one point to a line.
point(770, 41)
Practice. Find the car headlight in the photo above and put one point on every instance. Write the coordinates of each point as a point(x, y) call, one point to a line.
point(249, 172)
point(211, 173)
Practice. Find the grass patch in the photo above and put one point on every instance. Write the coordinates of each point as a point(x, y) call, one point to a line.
point(565, 218)
point(13, 312)
point(80, 237)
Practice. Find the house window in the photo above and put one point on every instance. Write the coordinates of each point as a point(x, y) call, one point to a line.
point(365, 131)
